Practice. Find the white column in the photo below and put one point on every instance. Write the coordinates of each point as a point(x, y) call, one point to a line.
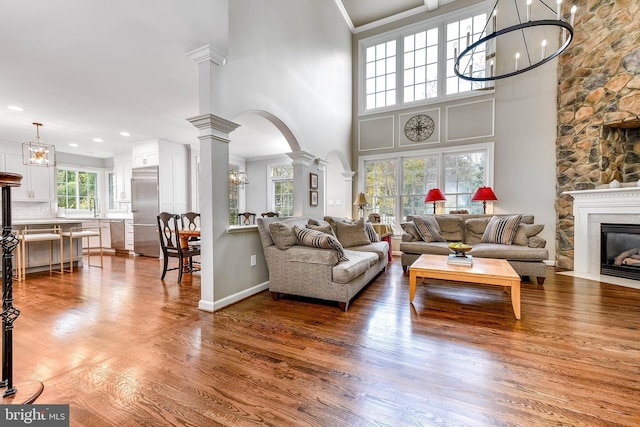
point(348, 194)
point(214, 168)
point(301, 163)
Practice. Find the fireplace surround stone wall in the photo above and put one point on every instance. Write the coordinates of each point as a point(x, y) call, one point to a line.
point(598, 111)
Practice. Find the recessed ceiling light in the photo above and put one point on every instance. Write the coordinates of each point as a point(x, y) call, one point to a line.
point(124, 133)
point(97, 139)
point(73, 144)
point(14, 108)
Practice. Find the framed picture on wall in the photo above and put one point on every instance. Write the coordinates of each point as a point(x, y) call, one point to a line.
point(313, 198)
point(313, 181)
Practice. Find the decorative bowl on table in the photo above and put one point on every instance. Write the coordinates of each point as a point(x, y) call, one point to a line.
point(459, 248)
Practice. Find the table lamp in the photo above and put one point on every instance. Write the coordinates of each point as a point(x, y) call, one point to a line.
point(483, 195)
point(361, 202)
point(434, 195)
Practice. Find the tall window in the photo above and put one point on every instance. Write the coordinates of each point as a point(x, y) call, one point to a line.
point(380, 189)
point(464, 173)
point(419, 174)
point(381, 75)
point(77, 189)
point(399, 183)
point(421, 65)
point(424, 67)
point(461, 34)
point(281, 177)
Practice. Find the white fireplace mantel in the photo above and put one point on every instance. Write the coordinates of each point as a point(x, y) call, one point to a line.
point(592, 208)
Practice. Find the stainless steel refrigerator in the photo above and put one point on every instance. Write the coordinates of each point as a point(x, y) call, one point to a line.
point(145, 205)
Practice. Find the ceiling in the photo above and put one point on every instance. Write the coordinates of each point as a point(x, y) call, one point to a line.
point(86, 69)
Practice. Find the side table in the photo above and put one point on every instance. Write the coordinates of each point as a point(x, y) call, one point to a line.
point(387, 238)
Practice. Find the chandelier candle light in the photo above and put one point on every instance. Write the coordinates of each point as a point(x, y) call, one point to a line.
point(546, 30)
point(434, 195)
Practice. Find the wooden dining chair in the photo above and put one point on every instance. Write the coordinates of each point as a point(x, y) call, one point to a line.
point(173, 246)
point(270, 214)
point(246, 218)
point(191, 221)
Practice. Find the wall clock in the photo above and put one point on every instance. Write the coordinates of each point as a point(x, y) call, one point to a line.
point(419, 128)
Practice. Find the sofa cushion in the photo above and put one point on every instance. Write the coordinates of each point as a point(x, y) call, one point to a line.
point(309, 255)
point(283, 235)
point(318, 239)
point(333, 220)
point(508, 252)
point(474, 229)
point(420, 247)
point(352, 234)
point(525, 231)
point(501, 229)
point(358, 263)
point(371, 232)
point(428, 229)
point(451, 227)
point(410, 231)
point(381, 249)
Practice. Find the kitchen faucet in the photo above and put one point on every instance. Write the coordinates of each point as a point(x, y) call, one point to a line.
point(92, 206)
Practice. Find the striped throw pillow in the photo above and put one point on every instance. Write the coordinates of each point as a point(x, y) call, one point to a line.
point(371, 232)
point(501, 229)
point(428, 228)
point(318, 239)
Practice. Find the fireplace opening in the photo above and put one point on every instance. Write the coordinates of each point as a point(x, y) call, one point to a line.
point(620, 250)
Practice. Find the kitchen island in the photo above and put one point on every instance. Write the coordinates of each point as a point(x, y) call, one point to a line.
point(37, 253)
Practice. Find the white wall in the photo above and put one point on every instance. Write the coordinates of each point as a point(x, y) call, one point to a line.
point(525, 154)
point(292, 58)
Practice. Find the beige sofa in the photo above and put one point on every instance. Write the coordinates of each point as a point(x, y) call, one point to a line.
point(317, 272)
point(526, 254)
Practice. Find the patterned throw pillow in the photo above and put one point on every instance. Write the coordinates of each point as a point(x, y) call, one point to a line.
point(428, 229)
point(371, 232)
point(501, 229)
point(318, 239)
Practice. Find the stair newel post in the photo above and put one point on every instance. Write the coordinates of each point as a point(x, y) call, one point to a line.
point(9, 312)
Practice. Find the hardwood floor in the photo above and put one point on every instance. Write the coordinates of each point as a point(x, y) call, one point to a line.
point(123, 348)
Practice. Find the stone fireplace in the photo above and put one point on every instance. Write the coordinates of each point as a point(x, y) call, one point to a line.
point(592, 208)
point(620, 250)
point(598, 139)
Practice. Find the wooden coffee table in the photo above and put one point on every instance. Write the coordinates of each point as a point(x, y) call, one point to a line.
point(486, 271)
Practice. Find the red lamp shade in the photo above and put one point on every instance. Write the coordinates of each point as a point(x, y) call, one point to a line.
point(434, 195)
point(482, 195)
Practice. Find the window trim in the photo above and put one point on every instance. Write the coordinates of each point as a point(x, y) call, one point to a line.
point(489, 147)
point(101, 185)
point(441, 22)
point(271, 180)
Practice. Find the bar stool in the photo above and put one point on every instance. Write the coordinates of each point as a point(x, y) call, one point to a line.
point(38, 235)
point(82, 233)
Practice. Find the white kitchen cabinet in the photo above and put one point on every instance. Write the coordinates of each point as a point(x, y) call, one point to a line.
point(128, 234)
point(37, 181)
point(105, 225)
point(122, 171)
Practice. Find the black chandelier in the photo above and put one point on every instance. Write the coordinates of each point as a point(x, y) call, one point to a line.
point(479, 57)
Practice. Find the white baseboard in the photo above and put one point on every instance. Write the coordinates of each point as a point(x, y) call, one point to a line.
point(231, 299)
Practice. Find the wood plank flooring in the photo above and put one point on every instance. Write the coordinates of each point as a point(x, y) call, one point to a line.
point(123, 348)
